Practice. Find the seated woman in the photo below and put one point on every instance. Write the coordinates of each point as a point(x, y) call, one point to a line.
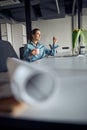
point(34, 50)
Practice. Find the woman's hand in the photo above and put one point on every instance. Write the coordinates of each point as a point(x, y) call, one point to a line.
point(35, 52)
point(55, 40)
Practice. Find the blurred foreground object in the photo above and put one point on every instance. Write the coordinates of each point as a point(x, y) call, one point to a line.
point(30, 83)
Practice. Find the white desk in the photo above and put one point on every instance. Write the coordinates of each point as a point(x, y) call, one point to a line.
point(69, 103)
point(70, 100)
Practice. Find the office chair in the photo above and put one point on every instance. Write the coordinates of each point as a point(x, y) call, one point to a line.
point(21, 51)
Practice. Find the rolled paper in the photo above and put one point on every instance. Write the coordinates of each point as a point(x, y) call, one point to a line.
point(30, 83)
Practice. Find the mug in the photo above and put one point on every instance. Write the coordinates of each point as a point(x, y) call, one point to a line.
point(37, 51)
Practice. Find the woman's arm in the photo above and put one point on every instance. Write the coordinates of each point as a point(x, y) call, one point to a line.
point(52, 50)
point(27, 53)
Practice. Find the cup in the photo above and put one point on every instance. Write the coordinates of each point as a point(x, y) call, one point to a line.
point(37, 51)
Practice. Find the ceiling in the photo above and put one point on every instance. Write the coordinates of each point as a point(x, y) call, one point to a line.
point(43, 9)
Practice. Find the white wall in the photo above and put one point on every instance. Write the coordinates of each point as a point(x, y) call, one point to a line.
point(84, 22)
point(15, 34)
point(4, 32)
point(61, 28)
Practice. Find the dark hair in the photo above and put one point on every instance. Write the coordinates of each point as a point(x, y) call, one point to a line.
point(34, 31)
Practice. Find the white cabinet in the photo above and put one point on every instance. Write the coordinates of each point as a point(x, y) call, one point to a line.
point(15, 34)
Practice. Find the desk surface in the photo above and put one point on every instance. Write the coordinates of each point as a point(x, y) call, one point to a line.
point(68, 104)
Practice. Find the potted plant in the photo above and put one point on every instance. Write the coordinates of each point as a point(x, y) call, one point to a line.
point(76, 34)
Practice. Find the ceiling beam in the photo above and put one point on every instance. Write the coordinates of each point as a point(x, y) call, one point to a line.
point(57, 5)
point(73, 8)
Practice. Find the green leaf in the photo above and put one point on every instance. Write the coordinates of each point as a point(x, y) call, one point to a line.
point(75, 36)
point(84, 36)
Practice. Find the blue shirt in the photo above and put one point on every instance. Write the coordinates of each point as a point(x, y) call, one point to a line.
point(43, 51)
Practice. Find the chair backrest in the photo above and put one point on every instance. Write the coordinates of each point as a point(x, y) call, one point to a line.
point(21, 51)
point(6, 50)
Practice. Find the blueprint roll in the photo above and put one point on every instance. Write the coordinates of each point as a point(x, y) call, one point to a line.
point(29, 83)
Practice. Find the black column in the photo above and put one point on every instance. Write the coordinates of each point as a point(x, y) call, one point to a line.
point(0, 32)
point(79, 6)
point(27, 4)
point(73, 13)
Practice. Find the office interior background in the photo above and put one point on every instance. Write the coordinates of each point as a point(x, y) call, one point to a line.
point(54, 18)
point(13, 29)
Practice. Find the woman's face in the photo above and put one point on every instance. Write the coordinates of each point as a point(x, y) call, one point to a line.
point(37, 36)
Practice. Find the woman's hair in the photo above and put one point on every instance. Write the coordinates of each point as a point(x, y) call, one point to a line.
point(33, 32)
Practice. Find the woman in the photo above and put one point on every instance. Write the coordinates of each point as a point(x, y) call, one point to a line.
point(34, 50)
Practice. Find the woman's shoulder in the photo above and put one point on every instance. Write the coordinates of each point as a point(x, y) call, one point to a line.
point(40, 45)
point(29, 45)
